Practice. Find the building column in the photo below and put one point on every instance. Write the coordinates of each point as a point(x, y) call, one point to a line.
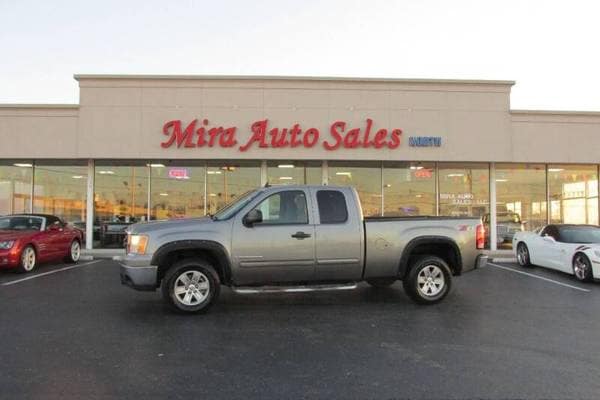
point(492, 225)
point(325, 173)
point(89, 215)
point(32, 188)
point(263, 173)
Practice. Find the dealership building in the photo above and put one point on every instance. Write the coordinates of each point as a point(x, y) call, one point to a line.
point(140, 148)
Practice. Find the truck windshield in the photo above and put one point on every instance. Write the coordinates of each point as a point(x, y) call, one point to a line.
point(232, 208)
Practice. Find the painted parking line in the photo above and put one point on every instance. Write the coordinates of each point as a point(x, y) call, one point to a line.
point(538, 277)
point(49, 273)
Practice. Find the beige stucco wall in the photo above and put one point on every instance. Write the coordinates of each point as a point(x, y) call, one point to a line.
point(122, 117)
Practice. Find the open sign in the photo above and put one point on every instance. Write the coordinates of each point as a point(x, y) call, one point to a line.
point(178, 173)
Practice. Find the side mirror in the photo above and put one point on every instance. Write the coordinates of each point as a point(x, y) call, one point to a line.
point(549, 238)
point(253, 217)
point(54, 227)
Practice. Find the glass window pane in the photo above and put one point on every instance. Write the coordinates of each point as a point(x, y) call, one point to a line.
point(120, 199)
point(225, 182)
point(365, 177)
point(573, 194)
point(409, 189)
point(520, 200)
point(284, 208)
point(464, 189)
point(15, 188)
point(332, 207)
point(177, 191)
point(61, 191)
point(294, 173)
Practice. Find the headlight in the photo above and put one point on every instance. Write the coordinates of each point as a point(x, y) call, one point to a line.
point(7, 244)
point(136, 244)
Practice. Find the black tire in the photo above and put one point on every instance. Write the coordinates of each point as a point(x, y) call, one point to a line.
point(381, 282)
point(206, 274)
point(585, 274)
point(523, 257)
point(422, 267)
point(70, 257)
point(26, 266)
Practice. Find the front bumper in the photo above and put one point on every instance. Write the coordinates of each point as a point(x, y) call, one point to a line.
point(137, 273)
point(8, 259)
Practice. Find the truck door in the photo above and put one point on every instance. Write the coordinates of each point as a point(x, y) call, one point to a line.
point(339, 235)
point(281, 248)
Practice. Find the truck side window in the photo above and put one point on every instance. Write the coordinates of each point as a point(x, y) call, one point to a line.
point(288, 207)
point(332, 207)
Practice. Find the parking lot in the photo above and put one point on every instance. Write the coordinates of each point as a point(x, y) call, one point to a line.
point(76, 332)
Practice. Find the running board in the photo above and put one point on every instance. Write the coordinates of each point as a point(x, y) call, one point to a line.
point(291, 289)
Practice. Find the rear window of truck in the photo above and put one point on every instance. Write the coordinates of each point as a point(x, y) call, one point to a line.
point(332, 207)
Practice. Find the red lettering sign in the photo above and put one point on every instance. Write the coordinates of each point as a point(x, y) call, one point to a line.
point(263, 135)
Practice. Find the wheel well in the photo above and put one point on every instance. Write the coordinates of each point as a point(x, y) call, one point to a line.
point(174, 256)
point(444, 249)
point(577, 253)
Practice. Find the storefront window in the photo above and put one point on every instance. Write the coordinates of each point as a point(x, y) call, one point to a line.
point(177, 191)
point(120, 199)
point(15, 187)
point(464, 189)
point(409, 189)
point(573, 194)
point(365, 177)
point(520, 200)
point(61, 191)
point(227, 181)
point(294, 173)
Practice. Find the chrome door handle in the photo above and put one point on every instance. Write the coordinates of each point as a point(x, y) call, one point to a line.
point(301, 235)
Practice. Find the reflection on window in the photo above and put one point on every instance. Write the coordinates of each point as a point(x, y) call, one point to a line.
point(464, 189)
point(61, 191)
point(120, 199)
point(226, 182)
point(365, 177)
point(294, 173)
point(177, 191)
point(409, 189)
point(520, 200)
point(573, 194)
point(15, 188)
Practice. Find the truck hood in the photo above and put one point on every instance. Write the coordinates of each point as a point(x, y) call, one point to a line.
point(169, 224)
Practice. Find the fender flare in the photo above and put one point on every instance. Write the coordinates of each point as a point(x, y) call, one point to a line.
point(406, 253)
point(217, 250)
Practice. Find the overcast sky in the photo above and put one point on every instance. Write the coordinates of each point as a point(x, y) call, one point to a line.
point(551, 48)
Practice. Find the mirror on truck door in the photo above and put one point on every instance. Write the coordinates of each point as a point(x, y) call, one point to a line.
point(253, 217)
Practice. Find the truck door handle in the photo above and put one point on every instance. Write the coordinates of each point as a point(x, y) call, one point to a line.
point(301, 235)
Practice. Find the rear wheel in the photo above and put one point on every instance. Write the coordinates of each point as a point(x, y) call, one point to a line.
point(582, 268)
point(191, 286)
point(428, 281)
point(74, 252)
point(381, 282)
point(523, 255)
point(28, 260)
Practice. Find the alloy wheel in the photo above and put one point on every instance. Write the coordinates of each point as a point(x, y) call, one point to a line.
point(28, 258)
point(430, 281)
point(579, 267)
point(522, 255)
point(75, 251)
point(191, 288)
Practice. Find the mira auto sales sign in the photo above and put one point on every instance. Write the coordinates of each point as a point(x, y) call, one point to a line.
point(199, 133)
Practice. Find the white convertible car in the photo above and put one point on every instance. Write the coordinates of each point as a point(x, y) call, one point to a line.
point(574, 249)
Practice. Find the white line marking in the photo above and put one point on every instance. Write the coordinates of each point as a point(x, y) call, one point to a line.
point(48, 273)
point(539, 277)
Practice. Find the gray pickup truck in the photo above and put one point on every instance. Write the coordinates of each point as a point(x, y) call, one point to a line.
point(297, 239)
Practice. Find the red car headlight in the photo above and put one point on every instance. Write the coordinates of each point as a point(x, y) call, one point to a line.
point(6, 244)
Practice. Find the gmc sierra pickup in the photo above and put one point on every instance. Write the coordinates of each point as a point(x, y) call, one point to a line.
point(296, 239)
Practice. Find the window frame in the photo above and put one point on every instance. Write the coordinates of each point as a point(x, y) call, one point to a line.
point(256, 205)
point(345, 207)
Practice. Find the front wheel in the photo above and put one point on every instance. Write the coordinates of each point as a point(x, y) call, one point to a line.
point(582, 268)
point(523, 255)
point(428, 281)
point(191, 286)
point(28, 260)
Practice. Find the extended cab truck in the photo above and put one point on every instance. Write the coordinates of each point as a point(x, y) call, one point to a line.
point(298, 238)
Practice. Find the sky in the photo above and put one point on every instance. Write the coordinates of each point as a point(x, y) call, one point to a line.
point(550, 48)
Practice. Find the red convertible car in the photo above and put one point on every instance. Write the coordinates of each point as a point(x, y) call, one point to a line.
point(29, 239)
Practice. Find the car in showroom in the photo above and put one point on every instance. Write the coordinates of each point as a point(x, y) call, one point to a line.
point(26, 240)
point(574, 249)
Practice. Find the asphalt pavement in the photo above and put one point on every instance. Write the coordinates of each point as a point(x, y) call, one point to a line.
point(504, 332)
